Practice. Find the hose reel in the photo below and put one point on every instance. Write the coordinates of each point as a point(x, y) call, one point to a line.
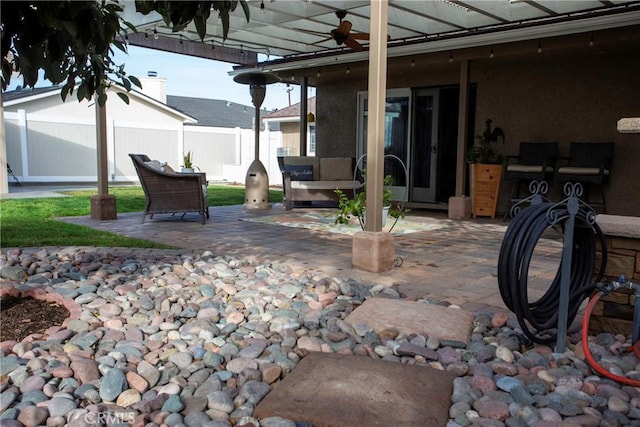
point(547, 318)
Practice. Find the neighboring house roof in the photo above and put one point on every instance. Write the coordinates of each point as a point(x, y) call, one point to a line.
point(214, 112)
point(23, 95)
point(291, 113)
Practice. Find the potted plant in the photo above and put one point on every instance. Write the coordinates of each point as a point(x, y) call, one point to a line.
point(356, 207)
point(486, 171)
point(187, 164)
point(483, 151)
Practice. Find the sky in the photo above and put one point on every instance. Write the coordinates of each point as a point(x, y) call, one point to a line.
point(193, 77)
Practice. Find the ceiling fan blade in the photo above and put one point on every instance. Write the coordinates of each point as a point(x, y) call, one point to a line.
point(364, 36)
point(360, 36)
point(353, 44)
point(318, 33)
point(344, 28)
point(322, 41)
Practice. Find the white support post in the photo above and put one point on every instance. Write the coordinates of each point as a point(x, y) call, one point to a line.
point(377, 109)
point(24, 144)
point(4, 176)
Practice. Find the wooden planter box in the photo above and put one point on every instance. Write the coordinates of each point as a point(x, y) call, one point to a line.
point(485, 187)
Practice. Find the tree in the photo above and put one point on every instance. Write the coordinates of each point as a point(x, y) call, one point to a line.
point(73, 41)
point(178, 14)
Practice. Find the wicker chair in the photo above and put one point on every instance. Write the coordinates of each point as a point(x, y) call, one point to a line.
point(170, 192)
point(535, 161)
point(588, 163)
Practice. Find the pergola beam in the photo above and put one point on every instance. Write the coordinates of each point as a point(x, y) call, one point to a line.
point(195, 48)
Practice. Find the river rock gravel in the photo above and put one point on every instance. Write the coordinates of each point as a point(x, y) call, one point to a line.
point(195, 339)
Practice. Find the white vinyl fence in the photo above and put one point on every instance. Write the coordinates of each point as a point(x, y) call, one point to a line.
point(49, 149)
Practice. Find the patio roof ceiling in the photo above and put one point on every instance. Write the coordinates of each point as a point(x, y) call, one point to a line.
point(297, 32)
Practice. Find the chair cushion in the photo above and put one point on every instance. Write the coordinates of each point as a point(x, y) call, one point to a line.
point(527, 169)
point(568, 170)
point(300, 172)
point(336, 169)
point(326, 185)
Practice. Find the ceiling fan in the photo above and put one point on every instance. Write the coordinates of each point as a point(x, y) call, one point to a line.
point(342, 34)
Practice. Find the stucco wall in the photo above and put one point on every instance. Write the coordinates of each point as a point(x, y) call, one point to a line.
point(567, 95)
point(565, 100)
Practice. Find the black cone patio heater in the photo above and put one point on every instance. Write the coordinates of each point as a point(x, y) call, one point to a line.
point(256, 192)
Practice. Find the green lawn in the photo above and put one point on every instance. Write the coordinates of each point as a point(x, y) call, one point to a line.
point(31, 223)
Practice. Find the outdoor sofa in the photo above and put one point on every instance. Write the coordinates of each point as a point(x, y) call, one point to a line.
point(310, 179)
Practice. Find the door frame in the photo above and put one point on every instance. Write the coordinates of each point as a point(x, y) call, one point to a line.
point(425, 194)
point(401, 193)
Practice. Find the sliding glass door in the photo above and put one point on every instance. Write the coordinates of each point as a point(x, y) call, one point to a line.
point(410, 135)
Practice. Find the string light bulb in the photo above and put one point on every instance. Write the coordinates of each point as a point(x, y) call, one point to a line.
point(450, 56)
point(491, 55)
point(413, 62)
point(348, 70)
point(539, 47)
point(262, 6)
point(591, 42)
point(155, 34)
point(318, 73)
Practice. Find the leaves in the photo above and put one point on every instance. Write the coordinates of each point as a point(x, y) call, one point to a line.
point(356, 207)
point(69, 41)
point(122, 96)
point(178, 14)
point(72, 41)
point(483, 151)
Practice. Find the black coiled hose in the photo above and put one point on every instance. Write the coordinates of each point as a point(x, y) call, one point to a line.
point(538, 319)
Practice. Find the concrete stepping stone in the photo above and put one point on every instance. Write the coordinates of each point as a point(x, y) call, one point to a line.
point(330, 389)
point(411, 317)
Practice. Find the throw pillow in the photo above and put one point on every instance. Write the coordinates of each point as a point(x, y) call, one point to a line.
point(300, 172)
point(154, 164)
point(167, 169)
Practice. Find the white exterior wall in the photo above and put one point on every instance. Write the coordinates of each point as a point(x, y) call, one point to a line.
point(62, 148)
